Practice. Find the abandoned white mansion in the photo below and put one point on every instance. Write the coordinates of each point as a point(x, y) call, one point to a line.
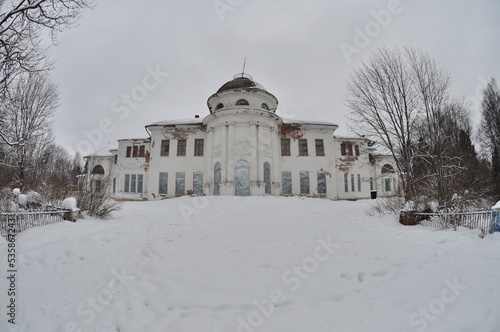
point(242, 148)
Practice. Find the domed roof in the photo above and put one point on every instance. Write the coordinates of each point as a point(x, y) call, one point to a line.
point(241, 81)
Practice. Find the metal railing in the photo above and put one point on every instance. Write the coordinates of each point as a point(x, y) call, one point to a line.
point(473, 220)
point(16, 222)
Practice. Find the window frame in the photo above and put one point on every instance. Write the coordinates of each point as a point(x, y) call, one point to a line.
point(199, 147)
point(286, 150)
point(303, 150)
point(181, 147)
point(165, 148)
point(320, 148)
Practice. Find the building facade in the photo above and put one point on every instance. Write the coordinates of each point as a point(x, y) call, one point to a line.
point(243, 148)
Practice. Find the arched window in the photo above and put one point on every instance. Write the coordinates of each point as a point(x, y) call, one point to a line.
point(242, 178)
point(98, 169)
point(242, 102)
point(219, 106)
point(264, 106)
point(387, 169)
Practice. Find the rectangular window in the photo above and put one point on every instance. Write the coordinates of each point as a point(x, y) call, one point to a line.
point(129, 152)
point(198, 147)
point(181, 148)
point(356, 149)
point(163, 183)
point(133, 183)
point(371, 184)
point(346, 183)
point(135, 151)
point(180, 183)
point(388, 186)
point(114, 185)
point(165, 148)
point(97, 185)
point(342, 149)
point(320, 148)
point(352, 183)
point(116, 159)
point(127, 183)
point(349, 149)
point(142, 151)
point(304, 183)
point(303, 147)
point(139, 183)
point(359, 182)
point(321, 183)
point(286, 183)
point(285, 147)
point(198, 183)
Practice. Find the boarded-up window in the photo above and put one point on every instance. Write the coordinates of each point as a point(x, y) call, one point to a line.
point(198, 147)
point(286, 183)
point(140, 178)
point(181, 147)
point(180, 183)
point(133, 183)
point(165, 148)
point(267, 177)
point(217, 178)
point(388, 184)
point(163, 183)
point(321, 183)
point(304, 183)
point(97, 185)
point(127, 183)
point(129, 152)
point(302, 147)
point(359, 182)
point(285, 147)
point(346, 183)
point(198, 183)
point(242, 178)
point(320, 148)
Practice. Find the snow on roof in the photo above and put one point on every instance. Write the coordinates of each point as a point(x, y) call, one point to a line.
point(297, 121)
point(190, 121)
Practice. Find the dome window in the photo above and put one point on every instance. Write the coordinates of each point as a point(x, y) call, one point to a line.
point(219, 106)
point(264, 106)
point(242, 102)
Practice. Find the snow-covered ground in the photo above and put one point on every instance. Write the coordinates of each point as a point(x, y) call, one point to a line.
point(253, 264)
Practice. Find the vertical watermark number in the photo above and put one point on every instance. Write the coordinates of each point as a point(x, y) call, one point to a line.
point(11, 269)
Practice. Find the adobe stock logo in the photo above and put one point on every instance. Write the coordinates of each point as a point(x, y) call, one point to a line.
point(363, 37)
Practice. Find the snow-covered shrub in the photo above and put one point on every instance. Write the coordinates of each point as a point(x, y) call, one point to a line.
point(69, 204)
point(6, 200)
point(22, 200)
point(16, 192)
point(35, 200)
point(384, 206)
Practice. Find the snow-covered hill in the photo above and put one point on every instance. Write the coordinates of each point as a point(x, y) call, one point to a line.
point(253, 264)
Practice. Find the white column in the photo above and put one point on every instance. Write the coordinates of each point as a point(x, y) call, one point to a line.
point(209, 167)
point(276, 161)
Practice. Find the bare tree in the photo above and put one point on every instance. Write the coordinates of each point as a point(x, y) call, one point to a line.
point(490, 130)
point(384, 106)
point(28, 112)
point(21, 22)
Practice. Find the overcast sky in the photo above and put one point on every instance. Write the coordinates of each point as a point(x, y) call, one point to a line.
point(293, 48)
